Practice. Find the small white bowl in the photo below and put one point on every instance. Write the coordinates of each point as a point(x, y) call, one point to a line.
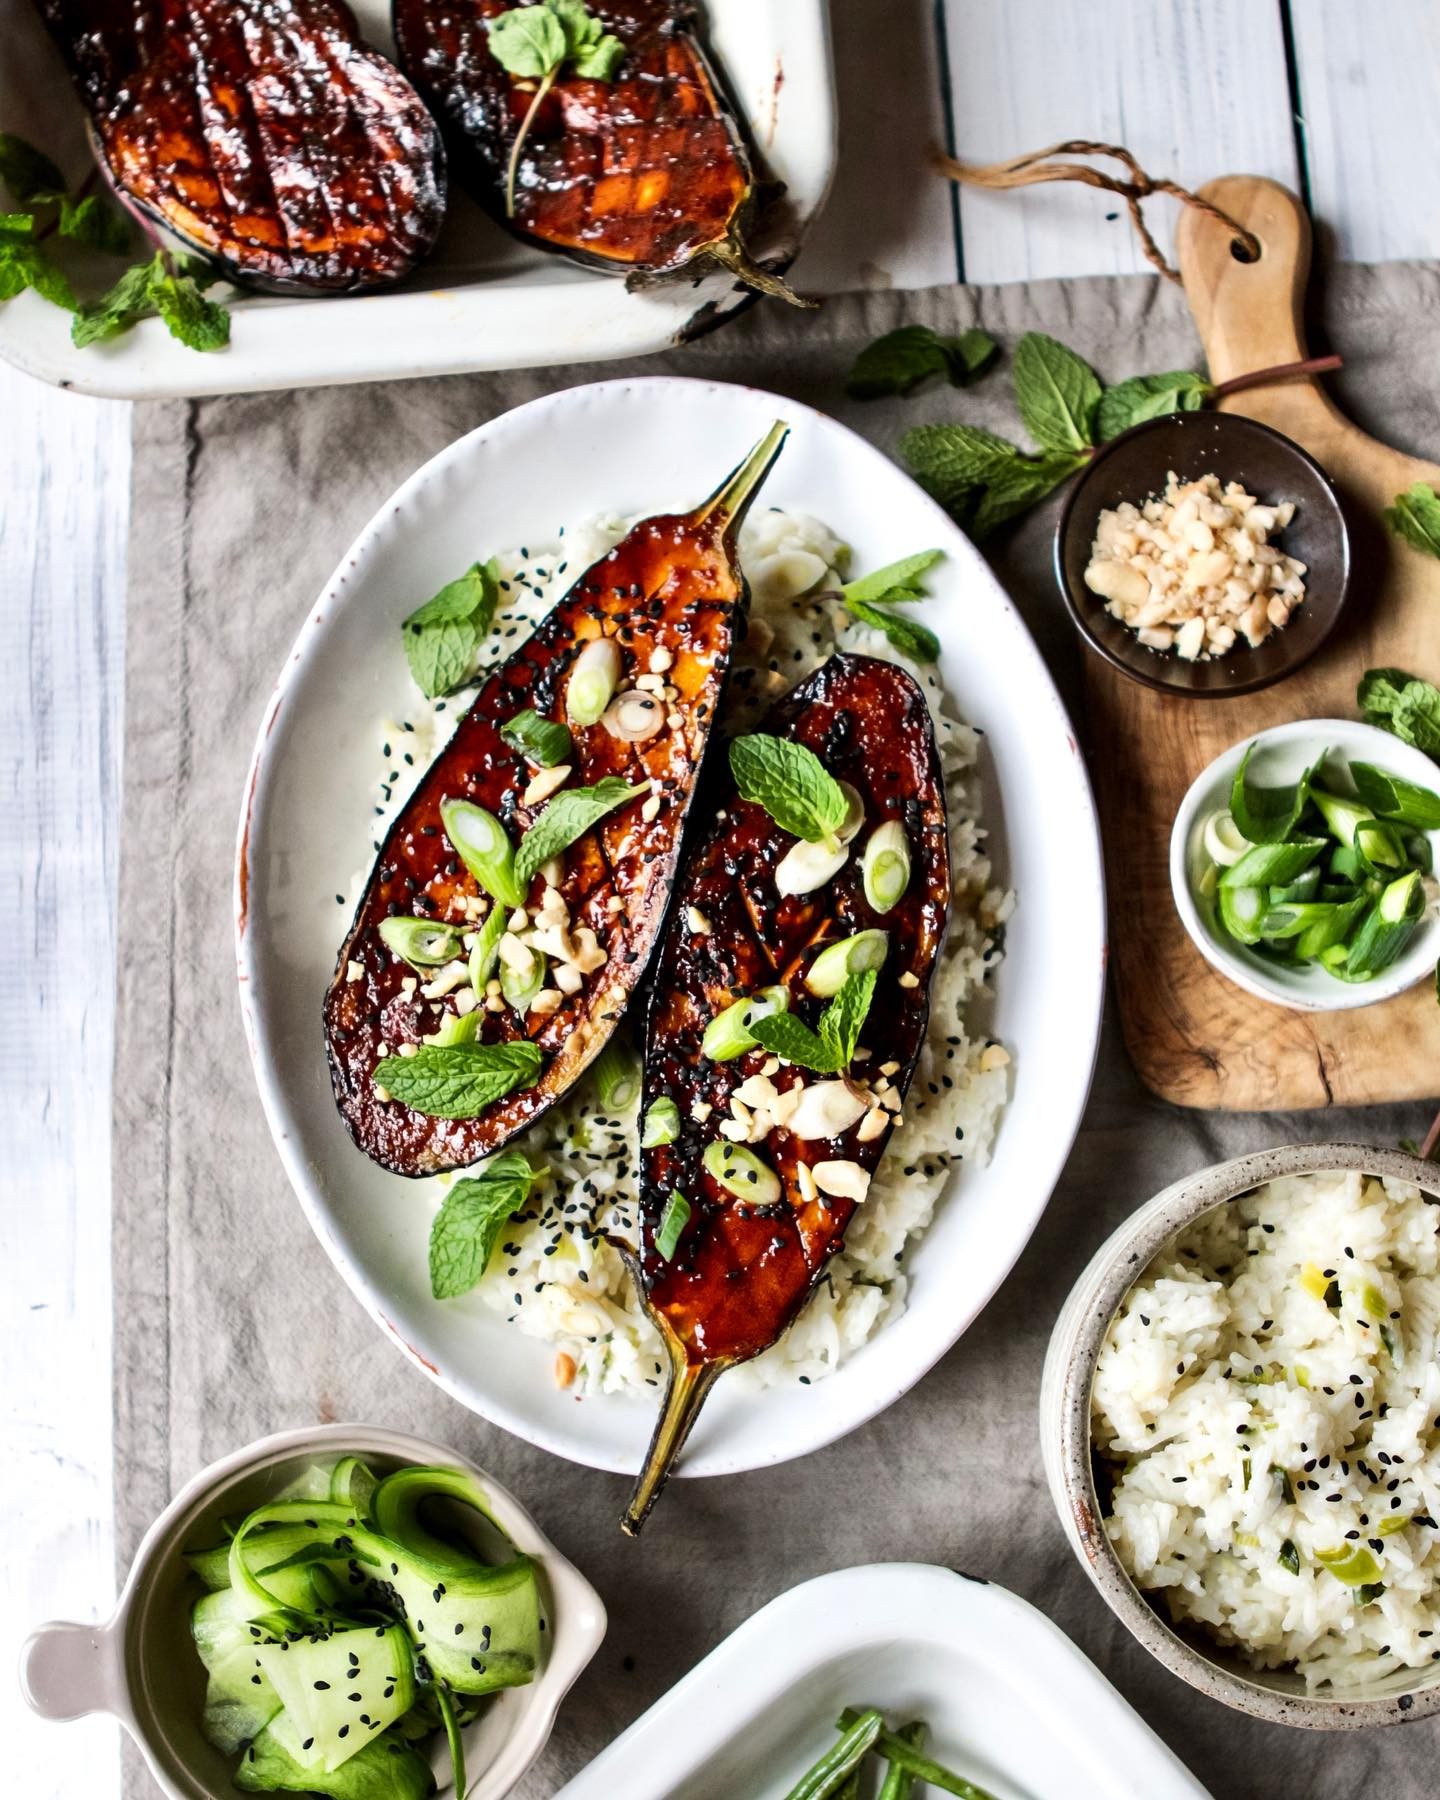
point(1283, 754)
point(1277, 1695)
point(139, 1665)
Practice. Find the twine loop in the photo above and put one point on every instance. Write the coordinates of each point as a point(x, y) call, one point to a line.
point(1028, 170)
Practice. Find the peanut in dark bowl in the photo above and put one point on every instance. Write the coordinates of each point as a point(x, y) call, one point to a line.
point(1134, 467)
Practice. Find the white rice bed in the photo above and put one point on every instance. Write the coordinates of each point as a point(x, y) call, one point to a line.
point(1269, 1394)
point(554, 1274)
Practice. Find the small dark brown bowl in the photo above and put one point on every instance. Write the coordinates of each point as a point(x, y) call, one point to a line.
point(1134, 467)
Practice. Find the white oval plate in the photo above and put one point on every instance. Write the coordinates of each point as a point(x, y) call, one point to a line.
point(481, 300)
point(1011, 1703)
point(652, 445)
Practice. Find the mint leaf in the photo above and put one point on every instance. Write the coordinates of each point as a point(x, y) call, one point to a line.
point(1017, 486)
point(27, 172)
point(842, 1019)
point(442, 638)
point(901, 360)
point(1403, 704)
point(600, 60)
point(458, 1081)
point(950, 460)
point(23, 264)
point(782, 1034)
point(529, 41)
point(125, 305)
point(95, 223)
point(17, 225)
point(896, 582)
point(198, 323)
point(1149, 397)
point(1057, 392)
point(542, 741)
point(791, 783)
point(908, 637)
point(469, 1222)
point(672, 1222)
point(569, 816)
point(1415, 516)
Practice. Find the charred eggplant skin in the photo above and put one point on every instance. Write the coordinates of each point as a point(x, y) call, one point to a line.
point(740, 1272)
point(262, 134)
point(671, 593)
point(638, 176)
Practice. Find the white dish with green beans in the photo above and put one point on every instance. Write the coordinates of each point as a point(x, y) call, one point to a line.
point(1302, 864)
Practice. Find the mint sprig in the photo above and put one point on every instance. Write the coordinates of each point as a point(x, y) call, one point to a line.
point(873, 597)
point(466, 1228)
point(901, 360)
point(167, 288)
point(1415, 516)
point(791, 783)
point(442, 638)
point(1402, 704)
point(537, 43)
point(830, 1049)
point(458, 1081)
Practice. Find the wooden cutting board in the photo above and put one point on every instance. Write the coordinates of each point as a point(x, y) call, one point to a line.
point(1194, 1037)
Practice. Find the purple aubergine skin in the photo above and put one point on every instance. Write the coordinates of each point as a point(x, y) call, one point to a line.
point(263, 135)
point(739, 1273)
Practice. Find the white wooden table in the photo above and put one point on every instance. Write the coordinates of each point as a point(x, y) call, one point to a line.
point(1331, 97)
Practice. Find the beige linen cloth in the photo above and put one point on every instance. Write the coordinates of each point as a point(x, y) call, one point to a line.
point(230, 1321)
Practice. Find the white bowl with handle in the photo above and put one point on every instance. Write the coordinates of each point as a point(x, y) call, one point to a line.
point(140, 1667)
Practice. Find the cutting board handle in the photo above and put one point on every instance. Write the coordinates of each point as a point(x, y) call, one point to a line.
point(1250, 314)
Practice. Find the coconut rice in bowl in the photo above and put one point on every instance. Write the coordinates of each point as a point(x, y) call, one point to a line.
point(1240, 1418)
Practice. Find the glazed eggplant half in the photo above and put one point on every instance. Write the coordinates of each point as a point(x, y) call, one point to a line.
point(262, 135)
point(644, 172)
point(780, 1045)
point(518, 897)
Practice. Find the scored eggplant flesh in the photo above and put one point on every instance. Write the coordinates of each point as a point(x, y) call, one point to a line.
point(644, 175)
point(740, 1273)
point(670, 595)
point(262, 134)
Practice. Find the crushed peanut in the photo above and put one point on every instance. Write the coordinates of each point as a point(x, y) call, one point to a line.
point(564, 1369)
point(1193, 571)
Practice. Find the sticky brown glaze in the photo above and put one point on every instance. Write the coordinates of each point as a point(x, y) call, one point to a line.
point(643, 173)
point(671, 585)
point(262, 133)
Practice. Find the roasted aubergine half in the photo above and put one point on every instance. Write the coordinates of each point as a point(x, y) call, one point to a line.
point(643, 173)
point(780, 1045)
point(263, 135)
point(518, 897)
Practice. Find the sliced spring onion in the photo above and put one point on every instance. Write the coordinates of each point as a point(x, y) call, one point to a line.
point(805, 867)
point(617, 1077)
point(1305, 886)
point(1225, 843)
point(741, 1172)
point(423, 943)
point(542, 741)
point(1389, 1526)
point(456, 1028)
point(1241, 911)
point(851, 956)
point(483, 845)
point(672, 1222)
point(1387, 928)
point(1350, 1563)
point(662, 1123)
point(1343, 917)
point(521, 984)
point(885, 866)
point(1341, 813)
point(1379, 847)
point(486, 948)
point(1267, 865)
point(728, 1034)
point(594, 677)
point(1289, 1557)
point(1392, 797)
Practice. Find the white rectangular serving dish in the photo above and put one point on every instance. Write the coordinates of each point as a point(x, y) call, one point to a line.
point(1011, 1703)
point(481, 300)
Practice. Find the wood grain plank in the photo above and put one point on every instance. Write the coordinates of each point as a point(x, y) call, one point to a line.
point(888, 221)
point(1367, 91)
point(1194, 88)
point(64, 472)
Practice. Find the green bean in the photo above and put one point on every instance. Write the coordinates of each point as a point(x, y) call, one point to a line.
point(895, 1750)
point(823, 1778)
point(899, 1780)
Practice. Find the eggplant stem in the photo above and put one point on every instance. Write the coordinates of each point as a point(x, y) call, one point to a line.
point(732, 255)
point(732, 498)
point(684, 1396)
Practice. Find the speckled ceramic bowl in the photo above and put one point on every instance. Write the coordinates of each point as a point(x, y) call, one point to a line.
point(139, 1667)
point(1276, 1695)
